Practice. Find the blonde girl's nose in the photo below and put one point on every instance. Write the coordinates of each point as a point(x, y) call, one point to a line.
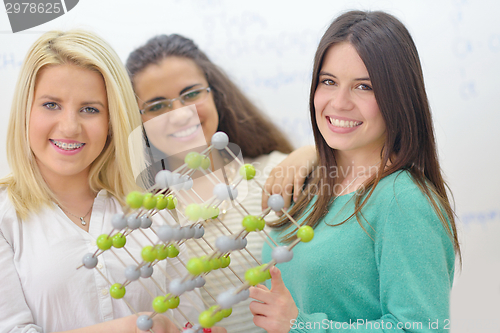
point(70, 123)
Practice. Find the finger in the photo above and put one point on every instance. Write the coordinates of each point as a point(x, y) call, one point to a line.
point(288, 189)
point(260, 321)
point(261, 294)
point(277, 187)
point(261, 286)
point(216, 329)
point(271, 179)
point(267, 190)
point(299, 180)
point(277, 284)
point(272, 184)
point(258, 308)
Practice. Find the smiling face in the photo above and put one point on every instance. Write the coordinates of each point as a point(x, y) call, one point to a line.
point(68, 125)
point(347, 113)
point(180, 131)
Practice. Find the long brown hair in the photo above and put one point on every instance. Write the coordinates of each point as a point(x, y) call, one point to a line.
point(393, 64)
point(239, 118)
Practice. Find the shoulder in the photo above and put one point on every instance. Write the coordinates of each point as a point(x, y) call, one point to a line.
point(6, 206)
point(402, 202)
point(399, 185)
point(8, 215)
point(398, 197)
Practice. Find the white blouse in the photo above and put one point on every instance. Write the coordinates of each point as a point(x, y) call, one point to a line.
point(41, 289)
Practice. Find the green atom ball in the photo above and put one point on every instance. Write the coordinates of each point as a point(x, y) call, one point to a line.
point(265, 275)
point(226, 312)
point(225, 261)
point(206, 265)
point(149, 201)
point(104, 242)
point(206, 212)
point(193, 160)
point(119, 240)
point(214, 212)
point(173, 251)
point(161, 252)
point(253, 223)
point(148, 253)
point(160, 305)
point(161, 201)
point(247, 171)
point(117, 291)
point(195, 266)
point(193, 212)
point(252, 276)
point(172, 202)
point(305, 233)
point(173, 302)
point(255, 275)
point(206, 319)
point(205, 163)
point(134, 199)
point(216, 313)
point(215, 263)
point(261, 224)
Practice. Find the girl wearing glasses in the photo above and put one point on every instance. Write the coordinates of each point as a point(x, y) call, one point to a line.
point(170, 72)
point(383, 254)
point(67, 147)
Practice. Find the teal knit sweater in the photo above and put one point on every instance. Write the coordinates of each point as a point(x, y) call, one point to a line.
point(399, 280)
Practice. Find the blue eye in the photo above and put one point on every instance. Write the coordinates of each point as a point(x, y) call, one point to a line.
point(89, 109)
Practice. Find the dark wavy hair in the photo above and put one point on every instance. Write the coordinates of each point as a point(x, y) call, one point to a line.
point(239, 118)
point(393, 64)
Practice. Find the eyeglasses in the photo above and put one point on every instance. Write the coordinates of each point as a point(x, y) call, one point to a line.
point(162, 106)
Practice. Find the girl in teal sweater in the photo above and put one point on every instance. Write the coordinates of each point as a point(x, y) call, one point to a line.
point(383, 254)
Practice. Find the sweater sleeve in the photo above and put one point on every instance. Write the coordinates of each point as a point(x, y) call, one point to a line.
point(415, 259)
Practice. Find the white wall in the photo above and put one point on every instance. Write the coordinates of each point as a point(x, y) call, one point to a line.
point(268, 46)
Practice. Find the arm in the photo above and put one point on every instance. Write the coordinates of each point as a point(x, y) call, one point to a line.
point(415, 260)
point(288, 177)
point(15, 315)
point(161, 324)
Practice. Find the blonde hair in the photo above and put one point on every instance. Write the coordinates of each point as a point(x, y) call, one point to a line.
point(112, 170)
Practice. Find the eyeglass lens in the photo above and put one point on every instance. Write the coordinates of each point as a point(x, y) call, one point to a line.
point(187, 98)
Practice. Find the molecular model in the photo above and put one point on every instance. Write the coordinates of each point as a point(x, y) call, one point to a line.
point(172, 194)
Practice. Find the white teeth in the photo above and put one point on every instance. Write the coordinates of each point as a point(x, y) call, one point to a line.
point(185, 132)
point(67, 146)
point(344, 123)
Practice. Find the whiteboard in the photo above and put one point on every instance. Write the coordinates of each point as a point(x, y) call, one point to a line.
point(267, 47)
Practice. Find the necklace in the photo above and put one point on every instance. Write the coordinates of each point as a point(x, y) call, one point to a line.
point(345, 188)
point(78, 217)
point(355, 178)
